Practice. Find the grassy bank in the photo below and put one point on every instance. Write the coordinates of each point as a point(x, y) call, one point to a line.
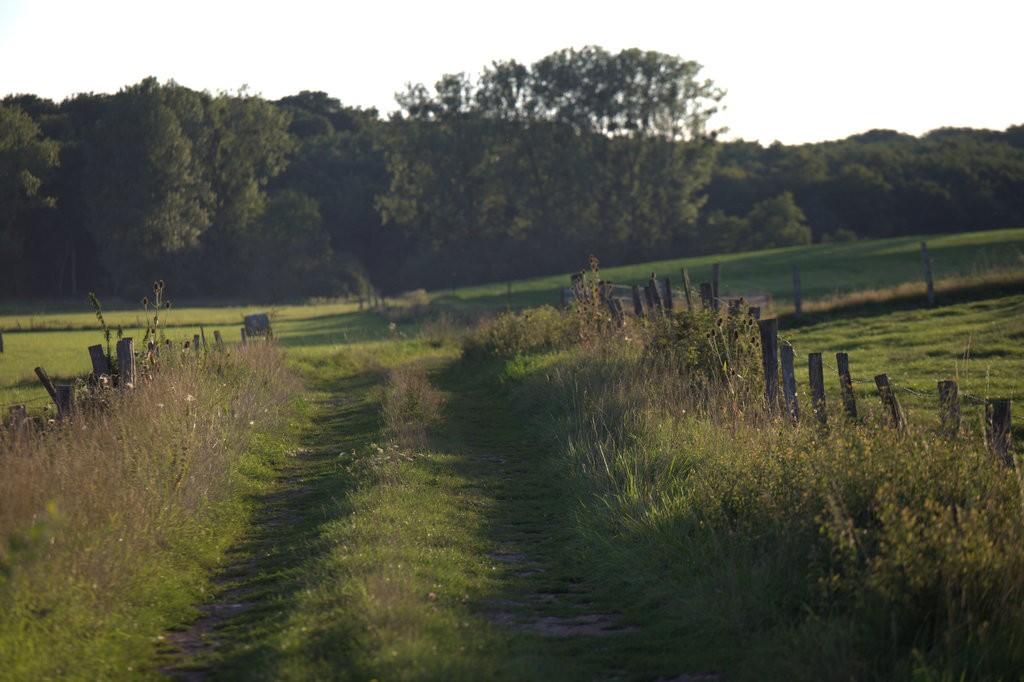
point(110, 523)
point(749, 547)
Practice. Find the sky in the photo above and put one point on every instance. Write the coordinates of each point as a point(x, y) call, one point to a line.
point(795, 71)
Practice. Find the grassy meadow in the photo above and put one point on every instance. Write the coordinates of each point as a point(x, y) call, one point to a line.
point(529, 498)
point(56, 336)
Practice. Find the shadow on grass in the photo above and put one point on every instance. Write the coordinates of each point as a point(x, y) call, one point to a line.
point(266, 573)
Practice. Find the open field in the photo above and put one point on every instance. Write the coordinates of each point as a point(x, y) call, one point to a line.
point(56, 336)
point(826, 269)
point(563, 513)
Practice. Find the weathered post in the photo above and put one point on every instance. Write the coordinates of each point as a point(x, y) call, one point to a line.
point(65, 400)
point(244, 336)
point(126, 362)
point(638, 304)
point(668, 295)
point(44, 379)
point(846, 385)
point(798, 300)
point(769, 330)
point(789, 383)
point(817, 380)
point(716, 277)
point(997, 429)
point(652, 286)
point(100, 364)
point(890, 401)
point(1, 342)
point(949, 408)
point(926, 265)
point(707, 295)
point(202, 336)
point(218, 340)
point(686, 289)
point(195, 343)
point(16, 416)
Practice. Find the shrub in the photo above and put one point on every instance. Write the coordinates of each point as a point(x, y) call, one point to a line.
point(411, 406)
point(514, 333)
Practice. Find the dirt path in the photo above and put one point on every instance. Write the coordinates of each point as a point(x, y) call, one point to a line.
point(338, 579)
point(243, 581)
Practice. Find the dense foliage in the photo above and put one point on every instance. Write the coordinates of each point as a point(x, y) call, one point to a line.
point(514, 173)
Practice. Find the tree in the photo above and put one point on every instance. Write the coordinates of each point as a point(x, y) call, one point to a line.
point(26, 161)
point(148, 193)
point(777, 222)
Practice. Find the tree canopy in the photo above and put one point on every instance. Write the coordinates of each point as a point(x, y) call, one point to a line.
point(521, 170)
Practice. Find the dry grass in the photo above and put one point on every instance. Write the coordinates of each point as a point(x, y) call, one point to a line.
point(86, 505)
point(913, 290)
point(411, 406)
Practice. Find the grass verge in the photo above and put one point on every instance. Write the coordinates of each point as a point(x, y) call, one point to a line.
point(111, 522)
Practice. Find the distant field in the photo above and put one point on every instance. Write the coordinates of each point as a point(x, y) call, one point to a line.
point(980, 344)
point(56, 337)
point(825, 269)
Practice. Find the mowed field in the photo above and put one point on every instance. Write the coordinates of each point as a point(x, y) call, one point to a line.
point(976, 342)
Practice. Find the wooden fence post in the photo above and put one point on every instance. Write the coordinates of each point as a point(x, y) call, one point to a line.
point(65, 400)
point(949, 408)
point(816, 375)
point(17, 417)
point(668, 295)
point(789, 382)
point(202, 336)
point(1, 342)
point(716, 277)
point(655, 295)
point(638, 304)
point(126, 362)
point(243, 336)
point(44, 379)
point(997, 429)
point(707, 296)
point(100, 363)
point(846, 385)
point(926, 265)
point(798, 300)
point(195, 343)
point(686, 289)
point(218, 340)
point(769, 330)
point(890, 401)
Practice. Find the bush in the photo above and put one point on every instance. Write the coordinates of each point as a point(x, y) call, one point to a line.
point(514, 333)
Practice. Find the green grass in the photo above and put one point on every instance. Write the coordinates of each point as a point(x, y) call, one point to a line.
point(338, 550)
point(826, 269)
point(978, 344)
point(56, 336)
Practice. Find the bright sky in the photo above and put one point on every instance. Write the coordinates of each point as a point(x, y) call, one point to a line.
point(795, 71)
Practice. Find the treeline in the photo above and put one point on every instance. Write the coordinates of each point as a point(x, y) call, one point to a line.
point(514, 173)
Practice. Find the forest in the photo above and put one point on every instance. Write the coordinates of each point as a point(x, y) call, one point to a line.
point(519, 171)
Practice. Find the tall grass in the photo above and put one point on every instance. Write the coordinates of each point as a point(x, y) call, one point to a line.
point(852, 552)
point(102, 516)
point(411, 406)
